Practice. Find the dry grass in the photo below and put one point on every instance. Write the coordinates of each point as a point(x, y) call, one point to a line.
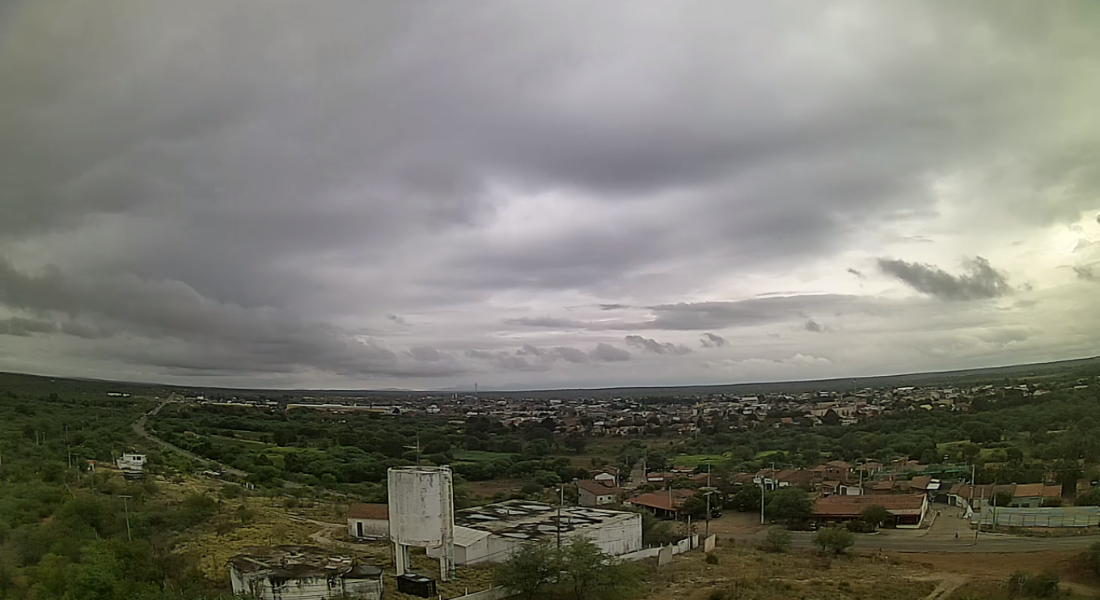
point(743, 572)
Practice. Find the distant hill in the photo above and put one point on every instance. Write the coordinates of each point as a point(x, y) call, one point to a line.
point(35, 384)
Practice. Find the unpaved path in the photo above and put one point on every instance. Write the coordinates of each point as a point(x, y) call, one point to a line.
point(949, 582)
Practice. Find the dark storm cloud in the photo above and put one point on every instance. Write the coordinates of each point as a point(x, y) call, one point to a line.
point(815, 327)
point(211, 177)
point(690, 316)
point(21, 327)
point(566, 353)
point(608, 353)
point(857, 273)
point(980, 281)
point(652, 345)
point(172, 310)
point(1085, 273)
point(710, 340)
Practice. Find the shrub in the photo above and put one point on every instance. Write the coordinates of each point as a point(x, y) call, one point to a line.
point(836, 540)
point(1025, 584)
point(712, 559)
point(1092, 557)
point(777, 540)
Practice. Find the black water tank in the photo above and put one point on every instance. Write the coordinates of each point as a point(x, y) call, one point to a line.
point(416, 585)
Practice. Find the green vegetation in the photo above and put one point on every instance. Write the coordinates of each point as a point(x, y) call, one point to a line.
point(579, 569)
point(778, 540)
point(71, 531)
point(1010, 436)
point(1022, 584)
point(834, 540)
point(352, 452)
point(875, 516)
point(789, 504)
point(1092, 558)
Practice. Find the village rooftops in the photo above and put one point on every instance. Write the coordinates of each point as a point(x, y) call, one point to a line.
point(670, 500)
point(301, 562)
point(375, 512)
point(597, 488)
point(521, 519)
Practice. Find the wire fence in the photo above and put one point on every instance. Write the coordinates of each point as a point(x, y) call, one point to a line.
point(1077, 516)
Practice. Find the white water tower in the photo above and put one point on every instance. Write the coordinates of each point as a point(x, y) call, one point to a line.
point(421, 504)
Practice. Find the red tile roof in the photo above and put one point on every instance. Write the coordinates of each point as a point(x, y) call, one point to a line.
point(665, 500)
point(1052, 491)
point(598, 489)
point(852, 506)
point(1029, 490)
point(374, 512)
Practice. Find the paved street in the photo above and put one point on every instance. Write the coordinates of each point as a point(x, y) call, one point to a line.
point(940, 537)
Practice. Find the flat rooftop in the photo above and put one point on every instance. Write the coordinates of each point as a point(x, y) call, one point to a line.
point(521, 519)
point(300, 562)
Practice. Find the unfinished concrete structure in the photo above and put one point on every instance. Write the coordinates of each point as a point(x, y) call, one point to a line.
point(492, 533)
point(302, 573)
point(421, 511)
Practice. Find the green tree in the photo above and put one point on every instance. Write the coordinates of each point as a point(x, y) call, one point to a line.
point(1002, 499)
point(834, 539)
point(529, 570)
point(875, 515)
point(695, 507)
point(1092, 558)
point(747, 499)
point(778, 540)
point(1089, 498)
point(789, 504)
point(589, 573)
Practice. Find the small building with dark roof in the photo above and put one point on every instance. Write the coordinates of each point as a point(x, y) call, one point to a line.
point(369, 521)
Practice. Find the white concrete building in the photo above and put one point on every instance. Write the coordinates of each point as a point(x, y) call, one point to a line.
point(369, 521)
point(492, 533)
point(302, 573)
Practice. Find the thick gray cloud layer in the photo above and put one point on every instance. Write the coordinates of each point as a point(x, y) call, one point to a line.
point(423, 195)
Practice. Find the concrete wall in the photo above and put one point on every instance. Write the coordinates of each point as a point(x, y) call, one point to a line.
point(493, 593)
point(306, 588)
point(680, 547)
point(376, 529)
point(618, 537)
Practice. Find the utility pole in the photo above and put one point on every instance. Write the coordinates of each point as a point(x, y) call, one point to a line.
point(761, 501)
point(126, 508)
point(560, 503)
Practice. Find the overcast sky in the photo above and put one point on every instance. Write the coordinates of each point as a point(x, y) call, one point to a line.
point(545, 194)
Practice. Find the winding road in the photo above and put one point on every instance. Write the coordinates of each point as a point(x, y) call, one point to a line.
point(139, 428)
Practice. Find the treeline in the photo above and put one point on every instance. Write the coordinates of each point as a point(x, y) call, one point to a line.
point(314, 448)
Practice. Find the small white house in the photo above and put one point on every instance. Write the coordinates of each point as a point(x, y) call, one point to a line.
point(131, 462)
point(369, 521)
point(131, 465)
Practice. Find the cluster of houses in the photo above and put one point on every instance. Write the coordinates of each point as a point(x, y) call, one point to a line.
point(629, 416)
